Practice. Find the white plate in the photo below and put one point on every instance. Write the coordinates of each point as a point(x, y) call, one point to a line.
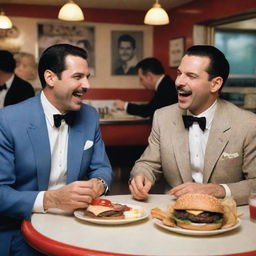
point(80, 215)
point(196, 232)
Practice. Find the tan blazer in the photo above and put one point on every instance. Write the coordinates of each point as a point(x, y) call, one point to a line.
point(230, 156)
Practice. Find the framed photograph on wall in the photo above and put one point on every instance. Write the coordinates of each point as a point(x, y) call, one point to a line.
point(176, 51)
point(78, 35)
point(127, 51)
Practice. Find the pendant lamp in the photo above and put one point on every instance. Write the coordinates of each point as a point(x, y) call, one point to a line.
point(71, 11)
point(5, 22)
point(156, 15)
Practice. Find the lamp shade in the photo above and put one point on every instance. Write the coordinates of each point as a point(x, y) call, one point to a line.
point(156, 16)
point(71, 11)
point(5, 22)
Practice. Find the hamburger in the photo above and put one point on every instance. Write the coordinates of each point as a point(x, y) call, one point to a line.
point(198, 212)
point(105, 209)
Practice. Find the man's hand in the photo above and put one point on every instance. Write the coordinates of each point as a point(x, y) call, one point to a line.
point(140, 187)
point(98, 187)
point(73, 196)
point(192, 188)
point(119, 104)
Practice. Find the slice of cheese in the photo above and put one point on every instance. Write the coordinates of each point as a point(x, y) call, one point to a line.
point(98, 209)
point(194, 212)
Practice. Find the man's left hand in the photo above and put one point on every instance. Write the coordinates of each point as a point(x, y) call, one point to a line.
point(119, 104)
point(192, 188)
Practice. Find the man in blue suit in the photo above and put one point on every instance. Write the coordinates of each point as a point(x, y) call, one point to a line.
point(51, 152)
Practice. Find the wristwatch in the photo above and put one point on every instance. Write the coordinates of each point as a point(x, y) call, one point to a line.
point(106, 190)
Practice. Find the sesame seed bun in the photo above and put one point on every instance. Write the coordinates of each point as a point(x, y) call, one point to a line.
point(201, 202)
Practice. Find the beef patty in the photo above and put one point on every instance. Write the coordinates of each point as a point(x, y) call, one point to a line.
point(204, 217)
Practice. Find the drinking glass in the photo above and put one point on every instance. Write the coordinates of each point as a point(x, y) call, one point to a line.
point(252, 203)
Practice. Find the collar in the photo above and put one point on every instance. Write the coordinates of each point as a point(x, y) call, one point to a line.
point(159, 81)
point(49, 109)
point(9, 82)
point(208, 114)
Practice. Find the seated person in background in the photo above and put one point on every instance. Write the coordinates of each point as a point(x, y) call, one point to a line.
point(13, 89)
point(202, 144)
point(152, 77)
point(26, 66)
point(52, 155)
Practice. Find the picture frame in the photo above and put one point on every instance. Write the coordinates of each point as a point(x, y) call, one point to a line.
point(50, 33)
point(176, 51)
point(126, 51)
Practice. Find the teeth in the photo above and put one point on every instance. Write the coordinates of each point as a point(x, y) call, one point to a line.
point(185, 94)
point(77, 94)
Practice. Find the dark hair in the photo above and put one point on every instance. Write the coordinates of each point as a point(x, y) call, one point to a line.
point(7, 61)
point(53, 58)
point(218, 66)
point(151, 65)
point(127, 38)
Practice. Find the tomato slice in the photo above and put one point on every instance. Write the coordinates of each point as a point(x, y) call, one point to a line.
point(102, 202)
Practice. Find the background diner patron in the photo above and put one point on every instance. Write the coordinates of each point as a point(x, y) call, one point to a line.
point(152, 76)
point(13, 89)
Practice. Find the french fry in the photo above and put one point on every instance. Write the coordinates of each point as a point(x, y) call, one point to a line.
point(230, 212)
point(169, 221)
point(158, 214)
point(165, 217)
point(170, 209)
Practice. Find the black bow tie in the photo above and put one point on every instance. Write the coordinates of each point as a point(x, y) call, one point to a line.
point(68, 117)
point(189, 120)
point(3, 87)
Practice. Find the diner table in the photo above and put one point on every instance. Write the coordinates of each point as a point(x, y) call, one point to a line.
point(65, 234)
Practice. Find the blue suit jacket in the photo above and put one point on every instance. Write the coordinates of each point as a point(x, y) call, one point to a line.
point(25, 157)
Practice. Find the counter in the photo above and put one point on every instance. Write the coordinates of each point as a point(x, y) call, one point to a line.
point(119, 128)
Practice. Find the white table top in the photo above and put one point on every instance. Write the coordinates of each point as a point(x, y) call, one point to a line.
point(144, 237)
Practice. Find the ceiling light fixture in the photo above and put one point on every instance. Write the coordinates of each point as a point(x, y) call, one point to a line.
point(71, 11)
point(156, 15)
point(5, 22)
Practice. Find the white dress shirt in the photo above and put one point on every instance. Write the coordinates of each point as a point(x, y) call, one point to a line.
point(197, 145)
point(58, 138)
point(3, 93)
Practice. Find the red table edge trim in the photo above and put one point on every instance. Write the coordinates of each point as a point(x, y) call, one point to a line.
point(55, 248)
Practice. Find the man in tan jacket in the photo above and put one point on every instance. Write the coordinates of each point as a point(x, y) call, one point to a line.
point(202, 144)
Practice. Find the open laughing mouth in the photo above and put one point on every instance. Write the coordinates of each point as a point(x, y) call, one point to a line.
point(80, 93)
point(183, 92)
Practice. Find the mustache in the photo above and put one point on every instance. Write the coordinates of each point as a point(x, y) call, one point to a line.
point(182, 88)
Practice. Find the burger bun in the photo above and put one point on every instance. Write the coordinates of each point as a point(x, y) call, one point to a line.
point(199, 226)
point(201, 202)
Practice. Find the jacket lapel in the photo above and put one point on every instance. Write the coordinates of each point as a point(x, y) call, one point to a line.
point(38, 134)
point(181, 148)
point(218, 139)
